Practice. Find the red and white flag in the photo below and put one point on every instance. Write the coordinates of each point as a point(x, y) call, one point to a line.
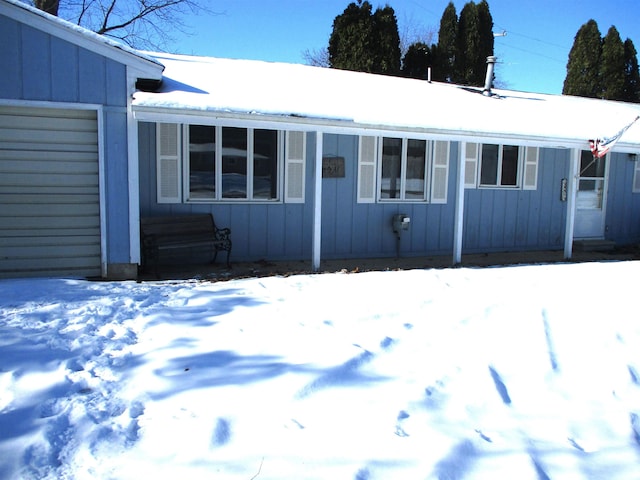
point(601, 146)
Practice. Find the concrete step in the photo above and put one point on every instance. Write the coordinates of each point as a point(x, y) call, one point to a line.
point(594, 245)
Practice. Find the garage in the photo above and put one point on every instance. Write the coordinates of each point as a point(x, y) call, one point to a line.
point(49, 192)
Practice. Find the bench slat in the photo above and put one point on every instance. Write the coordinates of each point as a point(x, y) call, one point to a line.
point(164, 233)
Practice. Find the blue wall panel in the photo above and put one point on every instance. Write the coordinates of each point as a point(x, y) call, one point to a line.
point(623, 206)
point(10, 59)
point(36, 64)
point(116, 184)
point(65, 82)
point(40, 67)
point(352, 230)
point(514, 219)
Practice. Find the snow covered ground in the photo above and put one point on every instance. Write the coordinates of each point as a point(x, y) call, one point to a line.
point(527, 372)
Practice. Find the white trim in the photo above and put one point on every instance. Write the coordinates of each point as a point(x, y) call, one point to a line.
point(53, 105)
point(329, 126)
point(102, 192)
point(458, 226)
point(317, 204)
point(59, 28)
point(133, 178)
point(574, 169)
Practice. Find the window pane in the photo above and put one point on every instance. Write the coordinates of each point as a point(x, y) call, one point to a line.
point(509, 165)
point(591, 166)
point(391, 163)
point(416, 155)
point(265, 164)
point(489, 169)
point(202, 161)
point(234, 162)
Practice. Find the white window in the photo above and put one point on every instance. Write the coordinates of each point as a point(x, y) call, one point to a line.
point(409, 170)
point(220, 163)
point(499, 165)
point(503, 166)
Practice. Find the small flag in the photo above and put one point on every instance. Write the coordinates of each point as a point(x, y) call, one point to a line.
point(602, 146)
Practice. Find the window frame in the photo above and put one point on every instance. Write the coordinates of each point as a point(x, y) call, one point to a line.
point(499, 184)
point(428, 167)
point(218, 164)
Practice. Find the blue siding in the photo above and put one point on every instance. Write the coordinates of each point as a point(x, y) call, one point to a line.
point(513, 220)
point(274, 231)
point(116, 186)
point(40, 67)
point(623, 206)
point(352, 230)
point(10, 59)
point(36, 66)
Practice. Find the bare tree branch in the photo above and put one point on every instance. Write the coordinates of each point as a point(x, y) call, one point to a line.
point(145, 24)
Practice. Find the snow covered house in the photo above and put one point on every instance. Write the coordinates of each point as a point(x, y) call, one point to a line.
point(301, 162)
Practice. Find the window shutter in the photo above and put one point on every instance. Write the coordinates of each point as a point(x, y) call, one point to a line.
point(440, 175)
point(295, 155)
point(530, 176)
point(470, 164)
point(367, 153)
point(168, 163)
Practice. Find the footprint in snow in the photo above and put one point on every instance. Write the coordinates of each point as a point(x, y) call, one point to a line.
point(221, 433)
point(403, 415)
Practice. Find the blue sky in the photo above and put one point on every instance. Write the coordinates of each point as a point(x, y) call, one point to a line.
point(532, 56)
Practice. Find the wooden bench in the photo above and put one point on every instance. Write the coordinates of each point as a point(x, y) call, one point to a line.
point(175, 232)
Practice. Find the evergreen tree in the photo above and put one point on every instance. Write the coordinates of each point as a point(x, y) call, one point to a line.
point(365, 42)
point(468, 46)
point(350, 43)
point(485, 30)
point(631, 89)
point(583, 67)
point(474, 44)
point(445, 51)
point(612, 66)
point(417, 60)
point(387, 42)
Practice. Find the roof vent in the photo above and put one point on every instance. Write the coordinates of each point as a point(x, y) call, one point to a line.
point(488, 81)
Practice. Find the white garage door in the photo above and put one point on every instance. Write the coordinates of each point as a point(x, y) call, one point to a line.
point(49, 193)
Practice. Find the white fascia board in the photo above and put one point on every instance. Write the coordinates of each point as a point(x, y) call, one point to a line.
point(346, 127)
point(146, 66)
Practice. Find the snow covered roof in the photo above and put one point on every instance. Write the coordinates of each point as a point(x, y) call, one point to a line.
point(338, 98)
point(146, 65)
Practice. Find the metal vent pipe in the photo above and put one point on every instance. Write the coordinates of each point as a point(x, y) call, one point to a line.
point(488, 81)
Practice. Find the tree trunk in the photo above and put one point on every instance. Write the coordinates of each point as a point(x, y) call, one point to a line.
point(49, 6)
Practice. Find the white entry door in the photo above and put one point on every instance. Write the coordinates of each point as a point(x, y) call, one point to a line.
point(591, 197)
